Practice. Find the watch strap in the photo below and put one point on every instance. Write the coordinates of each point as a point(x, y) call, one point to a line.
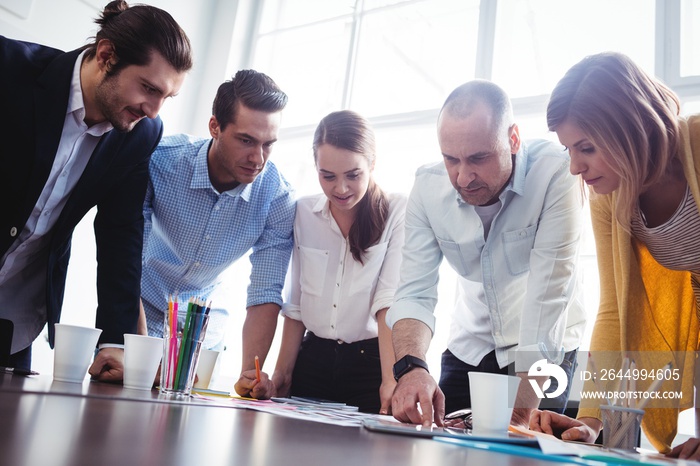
point(407, 364)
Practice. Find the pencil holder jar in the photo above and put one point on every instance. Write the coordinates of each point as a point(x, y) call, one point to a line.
point(621, 427)
point(183, 334)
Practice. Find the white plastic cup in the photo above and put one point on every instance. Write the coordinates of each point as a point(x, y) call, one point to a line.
point(493, 398)
point(74, 347)
point(205, 367)
point(142, 356)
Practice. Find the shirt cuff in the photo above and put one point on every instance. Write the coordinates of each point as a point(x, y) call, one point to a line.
point(256, 300)
point(584, 411)
point(382, 299)
point(291, 311)
point(109, 345)
point(408, 310)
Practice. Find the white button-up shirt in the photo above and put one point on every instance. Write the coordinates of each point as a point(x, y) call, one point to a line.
point(335, 296)
point(524, 272)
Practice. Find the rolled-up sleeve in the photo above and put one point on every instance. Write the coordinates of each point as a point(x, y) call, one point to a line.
point(271, 253)
point(292, 287)
point(388, 279)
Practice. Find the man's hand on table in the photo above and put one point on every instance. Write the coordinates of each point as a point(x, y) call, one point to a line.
point(418, 388)
point(108, 365)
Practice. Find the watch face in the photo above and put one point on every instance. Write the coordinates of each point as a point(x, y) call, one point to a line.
point(407, 363)
point(400, 368)
point(397, 368)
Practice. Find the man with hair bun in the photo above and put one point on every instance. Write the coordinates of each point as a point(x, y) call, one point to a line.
point(209, 202)
point(78, 129)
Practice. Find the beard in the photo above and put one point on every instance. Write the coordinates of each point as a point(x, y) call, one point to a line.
point(479, 198)
point(107, 99)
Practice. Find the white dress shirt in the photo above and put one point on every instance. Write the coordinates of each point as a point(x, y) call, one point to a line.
point(23, 268)
point(525, 268)
point(335, 296)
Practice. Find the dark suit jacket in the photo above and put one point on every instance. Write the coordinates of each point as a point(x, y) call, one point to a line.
point(34, 87)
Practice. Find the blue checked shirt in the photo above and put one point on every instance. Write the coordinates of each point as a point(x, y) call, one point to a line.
point(192, 233)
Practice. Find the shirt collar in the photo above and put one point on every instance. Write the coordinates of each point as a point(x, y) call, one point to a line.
point(517, 181)
point(322, 207)
point(200, 176)
point(76, 102)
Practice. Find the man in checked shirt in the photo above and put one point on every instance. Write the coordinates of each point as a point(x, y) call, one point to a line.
point(209, 202)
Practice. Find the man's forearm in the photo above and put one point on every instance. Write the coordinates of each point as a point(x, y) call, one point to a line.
point(258, 332)
point(526, 399)
point(410, 336)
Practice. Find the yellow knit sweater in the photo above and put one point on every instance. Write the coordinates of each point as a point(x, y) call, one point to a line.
point(644, 306)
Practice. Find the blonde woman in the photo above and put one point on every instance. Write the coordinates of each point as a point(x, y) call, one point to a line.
point(641, 161)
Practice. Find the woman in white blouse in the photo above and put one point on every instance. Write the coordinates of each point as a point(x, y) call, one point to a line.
point(345, 269)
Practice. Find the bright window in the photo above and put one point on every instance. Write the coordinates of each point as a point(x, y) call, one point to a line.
point(536, 41)
point(395, 61)
point(411, 55)
point(690, 38)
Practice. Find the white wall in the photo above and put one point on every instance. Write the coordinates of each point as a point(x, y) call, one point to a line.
point(68, 24)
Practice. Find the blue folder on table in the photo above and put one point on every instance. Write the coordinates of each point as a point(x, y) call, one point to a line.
point(520, 450)
point(512, 443)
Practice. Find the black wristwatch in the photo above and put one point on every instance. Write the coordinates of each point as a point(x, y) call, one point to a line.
point(407, 364)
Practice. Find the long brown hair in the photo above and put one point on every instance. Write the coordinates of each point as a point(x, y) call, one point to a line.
point(350, 131)
point(628, 114)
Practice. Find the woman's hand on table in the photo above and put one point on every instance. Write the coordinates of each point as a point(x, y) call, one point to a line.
point(248, 385)
point(582, 430)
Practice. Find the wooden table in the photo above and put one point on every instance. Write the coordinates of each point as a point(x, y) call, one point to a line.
point(47, 423)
